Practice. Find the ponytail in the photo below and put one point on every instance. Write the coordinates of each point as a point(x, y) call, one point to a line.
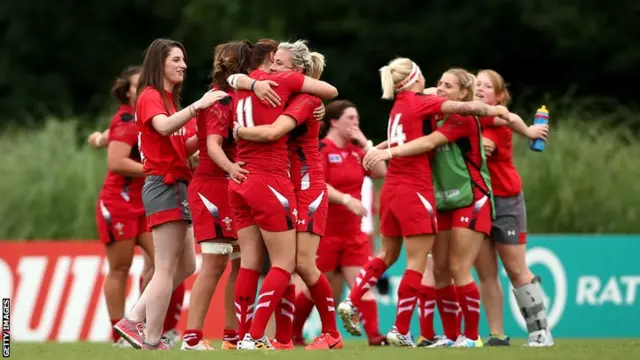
point(316, 67)
point(386, 79)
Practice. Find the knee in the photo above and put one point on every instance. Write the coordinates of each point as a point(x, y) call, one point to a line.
point(389, 256)
point(120, 269)
point(518, 273)
point(441, 273)
point(457, 268)
point(306, 265)
point(189, 269)
point(214, 266)
point(487, 272)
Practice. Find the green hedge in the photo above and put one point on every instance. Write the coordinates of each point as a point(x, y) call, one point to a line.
point(586, 181)
point(50, 183)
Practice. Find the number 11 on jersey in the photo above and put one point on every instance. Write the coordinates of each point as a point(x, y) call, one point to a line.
point(244, 112)
point(395, 135)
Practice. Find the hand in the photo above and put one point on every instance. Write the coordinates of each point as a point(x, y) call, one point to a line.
point(194, 160)
point(374, 156)
point(489, 146)
point(264, 92)
point(356, 207)
point(236, 130)
point(95, 140)
point(538, 132)
point(237, 173)
point(504, 113)
point(209, 98)
point(356, 134)
point(319, 112)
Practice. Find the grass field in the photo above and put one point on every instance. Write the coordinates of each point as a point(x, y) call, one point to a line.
point(564, 350)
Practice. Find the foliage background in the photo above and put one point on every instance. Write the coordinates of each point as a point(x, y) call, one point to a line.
point(580, 57)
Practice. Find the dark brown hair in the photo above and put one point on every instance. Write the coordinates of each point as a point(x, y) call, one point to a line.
point(261, 50)
point(153, 69)
point(123, 82)
point(334, 111)
point(228, 59)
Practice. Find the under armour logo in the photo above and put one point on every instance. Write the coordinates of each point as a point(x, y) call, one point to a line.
point(295, 213)
point(464, 219)
point(300, 222)
point(511, 232)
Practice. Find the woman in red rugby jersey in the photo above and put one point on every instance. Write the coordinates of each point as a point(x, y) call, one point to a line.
point(265, 202)
point(407, 200)
point(509, 230)
point(99, 140)
point(164, 150)
point(208, 200)
point(119, 212)
point(124, 129)
point(345, 247)
point(307, 176)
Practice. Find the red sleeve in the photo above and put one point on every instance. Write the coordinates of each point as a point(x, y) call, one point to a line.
point(123, 128)
point(218, 119)
point(291, 80)
point(150, 104)
point(487, 121)
point(301, 107)
point(456, 127)
point(492, 134)
point(429, 104)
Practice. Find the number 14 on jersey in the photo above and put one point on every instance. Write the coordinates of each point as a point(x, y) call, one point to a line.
point(395, 135)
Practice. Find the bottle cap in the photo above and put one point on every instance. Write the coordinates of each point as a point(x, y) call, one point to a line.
point(543, 109)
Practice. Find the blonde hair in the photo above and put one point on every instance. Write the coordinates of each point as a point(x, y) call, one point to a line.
point(393, 74)
point(300, 55)
point(499, 85)
point(316, 65)
point(466, 80)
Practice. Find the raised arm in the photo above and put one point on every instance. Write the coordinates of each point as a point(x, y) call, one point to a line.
point(414, 147)
point(477, 108)
point(319, 88)
point(419, 146)
point(167, 125)
point(518, 125)
point(267, 133)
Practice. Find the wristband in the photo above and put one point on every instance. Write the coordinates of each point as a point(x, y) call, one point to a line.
point(345, 199)
point(389, 153)
point(236, 134)
point(253, 84)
